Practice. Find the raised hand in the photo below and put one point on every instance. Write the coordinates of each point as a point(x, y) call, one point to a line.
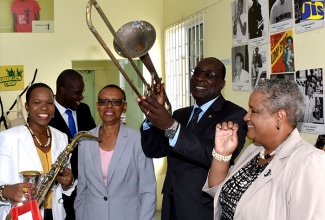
point(226, 138)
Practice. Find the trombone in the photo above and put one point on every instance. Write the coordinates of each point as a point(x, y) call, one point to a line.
point(132, 40)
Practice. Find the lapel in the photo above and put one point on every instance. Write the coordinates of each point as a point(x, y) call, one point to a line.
point(120, 146)
point(276, 167)
point(95, 157)
point(273, 169)
point(59, 123)
point(80, 118)
point(29, 150)
point(184, 116)
point(55, 150)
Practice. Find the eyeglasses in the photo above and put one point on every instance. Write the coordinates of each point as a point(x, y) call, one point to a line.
point(207, 74)
point(114, 102)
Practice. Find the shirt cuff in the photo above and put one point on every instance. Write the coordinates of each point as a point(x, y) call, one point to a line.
point(146, 125)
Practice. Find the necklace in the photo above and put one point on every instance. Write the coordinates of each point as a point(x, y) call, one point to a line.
point(262, 156)
point(36, 138)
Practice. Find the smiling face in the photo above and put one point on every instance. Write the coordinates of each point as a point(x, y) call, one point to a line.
point(111, 114)
point(261, 124)
point(203, 88)
point(71, 93)
point(40, 106)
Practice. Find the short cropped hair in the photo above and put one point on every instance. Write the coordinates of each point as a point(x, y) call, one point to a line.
point(282, 94)
point(113, 86)
point(34, 86)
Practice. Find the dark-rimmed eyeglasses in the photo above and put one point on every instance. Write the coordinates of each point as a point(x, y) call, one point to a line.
point(114, 102)
point(207, 74)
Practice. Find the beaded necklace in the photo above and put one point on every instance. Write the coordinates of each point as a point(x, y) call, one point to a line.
point(36, 138)
point(262, 156)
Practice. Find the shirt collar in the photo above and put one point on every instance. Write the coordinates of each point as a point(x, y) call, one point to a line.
point(60, 107)
point(205, 106)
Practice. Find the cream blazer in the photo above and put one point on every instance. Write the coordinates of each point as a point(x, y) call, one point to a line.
point(18, 153)
point(292, 186)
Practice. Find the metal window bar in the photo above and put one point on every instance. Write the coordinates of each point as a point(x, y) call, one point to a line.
point(183, 50)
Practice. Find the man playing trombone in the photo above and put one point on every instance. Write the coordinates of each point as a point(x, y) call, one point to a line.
point(186, 138)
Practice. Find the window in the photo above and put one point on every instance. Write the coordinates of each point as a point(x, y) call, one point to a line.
point(183, 50)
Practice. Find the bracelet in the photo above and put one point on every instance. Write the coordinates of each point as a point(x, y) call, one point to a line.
point(219, 157)
point(1, 196)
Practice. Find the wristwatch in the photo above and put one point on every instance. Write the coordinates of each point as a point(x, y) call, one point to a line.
point(1, 197)
point(171, 131)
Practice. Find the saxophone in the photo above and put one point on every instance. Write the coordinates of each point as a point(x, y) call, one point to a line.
point(49, 179)
point(47, 182)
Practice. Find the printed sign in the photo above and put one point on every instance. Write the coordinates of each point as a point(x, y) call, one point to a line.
point(11, 78)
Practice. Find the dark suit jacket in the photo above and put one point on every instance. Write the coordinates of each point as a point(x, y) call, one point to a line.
point(85, 122)
point(189, 161)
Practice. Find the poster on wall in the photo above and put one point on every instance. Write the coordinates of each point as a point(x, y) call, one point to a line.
point(12, 78)
point(239, 22)
point(310, 82)
point(258, 64)
point(290, 76)
point(27, 16)
point(282, 52)
point(309, 15)
point(258, 19)
point(240, 75)
point(281, 15)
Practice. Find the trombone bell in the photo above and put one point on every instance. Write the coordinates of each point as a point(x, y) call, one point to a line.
point(137, 37)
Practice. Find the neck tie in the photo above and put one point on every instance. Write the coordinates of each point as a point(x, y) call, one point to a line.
point(195, 118)
point(72, 125)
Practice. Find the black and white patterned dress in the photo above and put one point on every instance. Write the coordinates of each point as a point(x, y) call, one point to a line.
point(235, 187)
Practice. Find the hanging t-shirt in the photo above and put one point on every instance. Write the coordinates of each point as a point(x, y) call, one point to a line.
point(25, 11)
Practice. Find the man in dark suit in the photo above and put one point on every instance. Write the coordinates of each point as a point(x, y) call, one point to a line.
point(69, 89)
point(189, 150)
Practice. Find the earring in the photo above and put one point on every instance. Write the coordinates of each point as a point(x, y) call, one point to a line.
point(278, 127)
